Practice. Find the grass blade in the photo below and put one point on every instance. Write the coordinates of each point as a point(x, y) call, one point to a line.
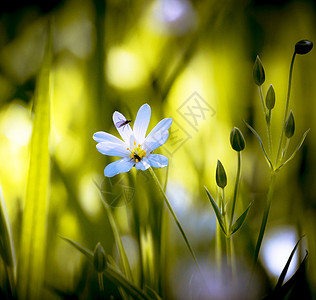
point(261, 145)
point(216, 210)
point(238, 223)
point(6, 244)
point(296, 150)
point(284, 271)
point(83, 250)
point(33, 238)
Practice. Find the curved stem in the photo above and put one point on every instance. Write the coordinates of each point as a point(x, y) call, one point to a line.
point(278, 157)
point(265, 216)
point(173, 215)
point(236, 188)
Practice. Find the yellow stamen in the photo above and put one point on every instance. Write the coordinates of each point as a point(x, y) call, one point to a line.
point(138, 145)
point(127, 148)
point(134, 143)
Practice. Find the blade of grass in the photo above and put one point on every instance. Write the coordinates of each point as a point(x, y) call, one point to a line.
point(33, 238)
point(6, 244)
point(286, 267)
point(238, 223)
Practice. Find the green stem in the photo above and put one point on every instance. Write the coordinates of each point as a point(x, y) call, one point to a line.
point(269, 132)
point(236, 188)
point(173, 215)
point(262, 101)
point(100, 280)
point(228, 250)
point(218, 249)
point(265, 216)
point(285, 149)
point(232, 258)
point(278, 157)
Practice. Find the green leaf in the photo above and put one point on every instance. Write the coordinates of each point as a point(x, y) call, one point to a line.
point(31, 262)
point(295, 151)
point(261, 144)
point(238, 223)
point(83, 250)
point(217, 211)
point(284, 271)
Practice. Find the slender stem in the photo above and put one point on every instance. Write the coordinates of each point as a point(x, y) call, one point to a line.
point(236, 188)
point(285, 148)
point(218, 249)
point(174, 215)
point(232, 258)
point(228, 250)
point(100, 280)
point(269, 132)
point(265, 216)
point(262, 101)
point(278, 157)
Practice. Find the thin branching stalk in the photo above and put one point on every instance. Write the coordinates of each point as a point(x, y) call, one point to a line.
point(236, 187)
point(278, 157)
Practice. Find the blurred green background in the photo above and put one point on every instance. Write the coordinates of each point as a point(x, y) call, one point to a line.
point(119, 54)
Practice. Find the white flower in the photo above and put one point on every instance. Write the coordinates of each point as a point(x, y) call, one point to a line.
point(136, 148)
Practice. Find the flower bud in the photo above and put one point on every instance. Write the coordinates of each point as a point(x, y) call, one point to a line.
point(258, 72)
point(270, 98)
point(237, 140)
point(303, 46)
point(221, 178)
point(289, 126)
point(99, 258)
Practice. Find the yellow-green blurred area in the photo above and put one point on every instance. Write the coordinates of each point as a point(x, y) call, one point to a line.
point(191, 61)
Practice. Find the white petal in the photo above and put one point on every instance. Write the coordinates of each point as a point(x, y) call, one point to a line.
point(120, 166)
point(102, 136)
point(113, 149)
point(141, 123)
point(125, 131)
point(153, 142)
point(143, 164)
point(157, 160)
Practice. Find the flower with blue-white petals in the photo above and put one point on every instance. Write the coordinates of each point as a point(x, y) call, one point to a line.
point(136, 148)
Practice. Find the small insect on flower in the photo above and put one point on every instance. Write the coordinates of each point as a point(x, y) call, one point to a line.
point(136, 148)
point(122, 123)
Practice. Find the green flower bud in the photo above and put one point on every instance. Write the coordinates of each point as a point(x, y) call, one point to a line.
point(221, 178)
point(99, 258)
point(258, 72)
point(289, 126)
point(270, 98)
point(237, 140)
point(303, 46)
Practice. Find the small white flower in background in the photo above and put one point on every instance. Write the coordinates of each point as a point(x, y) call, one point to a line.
point(136, 148)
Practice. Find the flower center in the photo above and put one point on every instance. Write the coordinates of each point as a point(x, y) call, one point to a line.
point(137, 153)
